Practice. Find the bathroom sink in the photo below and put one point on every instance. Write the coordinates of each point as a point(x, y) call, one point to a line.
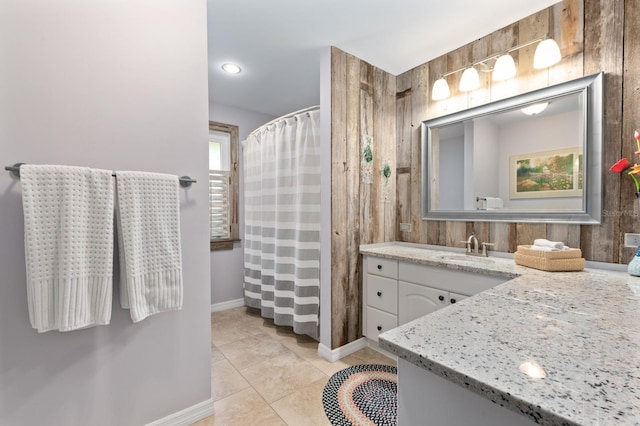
point(466, 258)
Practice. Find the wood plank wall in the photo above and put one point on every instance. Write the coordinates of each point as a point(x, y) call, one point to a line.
point(594, 35)
point(363, 201)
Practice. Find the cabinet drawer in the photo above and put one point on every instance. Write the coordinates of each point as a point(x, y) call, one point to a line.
point(456, 281)
point(379, 322)
point(382, 293)
point(383, 267)
point(418, 300)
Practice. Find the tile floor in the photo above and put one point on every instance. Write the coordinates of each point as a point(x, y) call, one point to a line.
point(262, 374)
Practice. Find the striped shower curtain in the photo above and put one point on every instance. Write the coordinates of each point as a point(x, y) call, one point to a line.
point(281, 163)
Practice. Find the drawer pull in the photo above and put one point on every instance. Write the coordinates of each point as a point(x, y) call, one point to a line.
point(441, 298)
point(379, 267)
point(379, 328)
point(453, 300)
point(379, 294)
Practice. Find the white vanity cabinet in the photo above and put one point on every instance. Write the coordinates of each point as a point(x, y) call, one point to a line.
point(396, 292)
point(380, 296)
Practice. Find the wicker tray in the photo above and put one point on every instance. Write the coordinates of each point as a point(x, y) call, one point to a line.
point(551, 265)
point(573, 253)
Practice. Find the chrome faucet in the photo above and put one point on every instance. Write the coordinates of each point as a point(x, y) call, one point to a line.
point(473, 246)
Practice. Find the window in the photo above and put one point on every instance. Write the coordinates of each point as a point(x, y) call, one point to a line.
point(223, 185)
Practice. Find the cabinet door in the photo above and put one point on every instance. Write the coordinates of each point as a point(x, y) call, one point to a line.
point(415, 301)
point(382, 293)
point(378, 322)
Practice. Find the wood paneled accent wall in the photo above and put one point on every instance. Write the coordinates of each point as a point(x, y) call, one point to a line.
point(594, 36)
point(363, 200)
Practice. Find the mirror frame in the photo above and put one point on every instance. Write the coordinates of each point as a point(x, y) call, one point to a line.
point(591, 213)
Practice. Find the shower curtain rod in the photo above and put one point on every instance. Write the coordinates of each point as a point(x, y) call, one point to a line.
point(185, 181)
point(291, 114)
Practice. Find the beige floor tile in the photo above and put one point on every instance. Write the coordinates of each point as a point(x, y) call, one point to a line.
point(330, 368)
point(303, 407)
point(371, 356)
point(245, 408)
point(252, 350)
point(280, 376)
point(216, 355)
point(225, 380)
point(304, 346)
point(222, 333)
point(276, 331)
point(228, 315)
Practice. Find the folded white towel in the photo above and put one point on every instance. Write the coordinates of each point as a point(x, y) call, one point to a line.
point(148, 221)
point(541, 242)
point(547, 248)
point(68, 239)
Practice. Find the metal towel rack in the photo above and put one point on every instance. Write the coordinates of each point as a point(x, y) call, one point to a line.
point(185, 181)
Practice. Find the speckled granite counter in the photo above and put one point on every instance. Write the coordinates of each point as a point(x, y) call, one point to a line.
point(582, 328)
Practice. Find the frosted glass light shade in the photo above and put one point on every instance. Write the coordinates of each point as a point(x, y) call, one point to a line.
point(470, 80)
point(547, 54)
point(504, 68)
point(535, 108)
point(440, 90)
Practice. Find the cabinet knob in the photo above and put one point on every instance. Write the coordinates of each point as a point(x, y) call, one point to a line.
point(379, 294)
point(379, 328)
point(379, 267)
point(453, 300)
point(441, 298)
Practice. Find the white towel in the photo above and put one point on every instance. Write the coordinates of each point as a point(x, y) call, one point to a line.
point(68, 241)
point(544, 243)
point(148, 222)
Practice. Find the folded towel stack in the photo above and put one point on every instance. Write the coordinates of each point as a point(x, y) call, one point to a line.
point(68, 238)
point(546, 245)
point(550, 256)
point(490, 203)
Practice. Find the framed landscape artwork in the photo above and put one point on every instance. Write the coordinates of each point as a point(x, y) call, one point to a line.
point(545, 174)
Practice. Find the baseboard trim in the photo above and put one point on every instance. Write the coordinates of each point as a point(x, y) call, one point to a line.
point(187, 416)
point(223, 306)
point(332, 355)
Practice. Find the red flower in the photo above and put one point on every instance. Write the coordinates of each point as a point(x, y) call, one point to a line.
point(620, 166)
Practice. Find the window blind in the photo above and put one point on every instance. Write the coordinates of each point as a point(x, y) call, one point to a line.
point(219, 204)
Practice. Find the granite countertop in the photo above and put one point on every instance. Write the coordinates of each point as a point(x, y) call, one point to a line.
point(581, 328)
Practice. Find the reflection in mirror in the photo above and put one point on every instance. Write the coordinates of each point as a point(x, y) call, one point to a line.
point(531, 158)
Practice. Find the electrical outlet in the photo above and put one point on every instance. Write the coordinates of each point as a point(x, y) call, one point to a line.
point(406, 227)
point(632, 240)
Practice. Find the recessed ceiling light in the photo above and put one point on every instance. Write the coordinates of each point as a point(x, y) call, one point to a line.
point(231, 68)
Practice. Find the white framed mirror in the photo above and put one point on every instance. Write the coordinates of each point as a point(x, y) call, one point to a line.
point(535, 157)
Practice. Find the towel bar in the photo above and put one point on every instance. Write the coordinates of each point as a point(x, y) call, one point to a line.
point(185, 181)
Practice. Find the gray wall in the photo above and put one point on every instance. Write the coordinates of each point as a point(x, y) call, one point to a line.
point(227, 266)
point(117, 85)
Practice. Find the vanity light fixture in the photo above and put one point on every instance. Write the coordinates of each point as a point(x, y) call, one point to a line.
point(470, 79)
point(231, 68)
point(440, 90)
point(505, 68)
point(547, 53)
point(535, 108)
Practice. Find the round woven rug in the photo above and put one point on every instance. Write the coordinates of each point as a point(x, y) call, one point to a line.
point(364, 394)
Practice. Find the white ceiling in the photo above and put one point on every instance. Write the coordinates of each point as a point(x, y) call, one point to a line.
point(278, 43)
